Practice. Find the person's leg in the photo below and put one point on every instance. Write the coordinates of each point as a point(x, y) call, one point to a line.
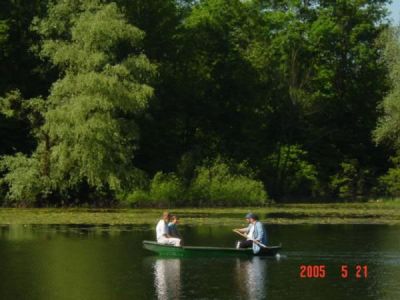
point(246, 244)
point(162, 240)
point(169, 241)
point(175, 241)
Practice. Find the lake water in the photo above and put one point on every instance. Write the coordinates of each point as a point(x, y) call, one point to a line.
point(108, 262)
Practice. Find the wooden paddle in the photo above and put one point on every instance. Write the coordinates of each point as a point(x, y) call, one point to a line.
point(245, 236)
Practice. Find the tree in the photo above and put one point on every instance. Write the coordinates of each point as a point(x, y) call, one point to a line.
point(349, 82)
point(206, 102)
point(89, 131)
point(388, 127)
point(323, 75)
point(387, 131)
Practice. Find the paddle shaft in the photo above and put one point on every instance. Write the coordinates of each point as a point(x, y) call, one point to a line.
point(254, 241)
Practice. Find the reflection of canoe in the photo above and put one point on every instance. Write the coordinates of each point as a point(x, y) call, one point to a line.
point(169, 250)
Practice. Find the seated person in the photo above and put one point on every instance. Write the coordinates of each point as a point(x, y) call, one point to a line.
point(173, 227)
point(255, 231)
point(163, 236)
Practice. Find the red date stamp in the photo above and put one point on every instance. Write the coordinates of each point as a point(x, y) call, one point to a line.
point(345, 271)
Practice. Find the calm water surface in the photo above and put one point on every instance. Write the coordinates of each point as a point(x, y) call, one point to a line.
point(108, 262)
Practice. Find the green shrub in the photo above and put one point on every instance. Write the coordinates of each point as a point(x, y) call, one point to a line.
point(215, 183)
point(390, 182)
point(163, 190)
point(166, 189)
point(221, 184)
point(289, 172)
point(350, 181)
point(138, 198)
point(24, 181)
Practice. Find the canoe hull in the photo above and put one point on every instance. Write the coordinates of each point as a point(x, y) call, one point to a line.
point(190, 251)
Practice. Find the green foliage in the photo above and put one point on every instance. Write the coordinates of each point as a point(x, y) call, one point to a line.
point(89, 133)
point(388, 127)
point(30, 111)
point(21, 117)
point(351, 181)
point(136, 198)
point(215, 183)
point(3, 34)
point(19, 68)
point(387, 130)
point(323, 77)
point(389, 183)
point(90, 120)
point(24, 179)
point(219, 183)
point(186, 168)
point(291, 87)
point(249, 77)
point(164, 190)
point(291, 172)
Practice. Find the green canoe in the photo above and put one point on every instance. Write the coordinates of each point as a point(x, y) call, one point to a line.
point(168, 250)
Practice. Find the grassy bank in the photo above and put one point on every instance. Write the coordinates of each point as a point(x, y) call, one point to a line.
point(354, 213)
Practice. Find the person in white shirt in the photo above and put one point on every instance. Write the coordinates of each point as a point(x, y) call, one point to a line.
point(162, 232)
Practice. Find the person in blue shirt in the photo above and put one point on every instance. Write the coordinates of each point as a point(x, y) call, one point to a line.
point(173, 227)
point(254, 232)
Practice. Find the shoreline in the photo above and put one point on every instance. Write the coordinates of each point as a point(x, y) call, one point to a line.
point(343, 213)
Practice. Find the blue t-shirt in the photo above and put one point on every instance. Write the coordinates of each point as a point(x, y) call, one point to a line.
point(173, 230)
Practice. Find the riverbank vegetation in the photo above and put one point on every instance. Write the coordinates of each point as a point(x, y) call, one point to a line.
point(197, 103)
point(344, 213)
point(215, 183)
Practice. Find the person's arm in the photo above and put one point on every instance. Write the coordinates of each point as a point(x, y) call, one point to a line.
point(242, 230)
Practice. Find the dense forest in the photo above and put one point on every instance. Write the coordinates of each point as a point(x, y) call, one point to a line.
point(197, 103)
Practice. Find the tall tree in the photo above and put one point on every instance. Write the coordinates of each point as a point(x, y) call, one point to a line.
point(89, 129)
point(388, 127)
point(323, 75)
point(349, 82)
point(205, 101)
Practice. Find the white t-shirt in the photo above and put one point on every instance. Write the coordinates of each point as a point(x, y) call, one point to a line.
point(250, 235)
point(161, 229)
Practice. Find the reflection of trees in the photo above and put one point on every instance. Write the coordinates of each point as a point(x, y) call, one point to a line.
point(19, 232)
point(167, 281)
point(55, 262)
point(252, 278)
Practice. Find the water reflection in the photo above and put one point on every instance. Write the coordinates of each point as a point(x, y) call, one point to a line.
point(167, 278)
point(252, 278)
point(249, 277)
point(17, 232)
